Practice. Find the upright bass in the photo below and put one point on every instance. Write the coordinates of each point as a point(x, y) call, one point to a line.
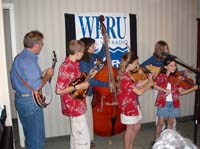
point(106, 113)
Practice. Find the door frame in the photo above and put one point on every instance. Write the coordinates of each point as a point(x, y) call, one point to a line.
point(10, 7)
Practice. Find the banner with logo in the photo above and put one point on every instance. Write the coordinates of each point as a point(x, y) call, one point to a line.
point(120, 28)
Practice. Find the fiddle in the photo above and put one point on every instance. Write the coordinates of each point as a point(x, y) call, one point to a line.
point(142, 73)
point(138, 75)
point(180, 79)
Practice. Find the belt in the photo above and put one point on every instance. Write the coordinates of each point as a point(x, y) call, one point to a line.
point(24, 95)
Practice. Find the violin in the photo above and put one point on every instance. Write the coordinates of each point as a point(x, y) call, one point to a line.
point(180, 79)
point(142, 72)
point(138, 75)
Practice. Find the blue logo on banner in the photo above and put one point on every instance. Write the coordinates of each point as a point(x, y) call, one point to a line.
point(116, 27)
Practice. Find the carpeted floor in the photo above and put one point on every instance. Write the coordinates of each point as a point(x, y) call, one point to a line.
point(145, 138)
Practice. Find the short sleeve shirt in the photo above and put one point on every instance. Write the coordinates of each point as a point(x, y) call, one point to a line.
point(162, 81)
point(127, 98)
point(68, 72)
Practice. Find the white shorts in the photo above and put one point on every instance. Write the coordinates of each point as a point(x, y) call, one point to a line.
point(131, 119)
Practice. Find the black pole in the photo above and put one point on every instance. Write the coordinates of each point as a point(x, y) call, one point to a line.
point(197, 96)
point(197, 109)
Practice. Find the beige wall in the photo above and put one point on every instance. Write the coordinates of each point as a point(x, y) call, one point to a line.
point(171, 20)
point(198, 8)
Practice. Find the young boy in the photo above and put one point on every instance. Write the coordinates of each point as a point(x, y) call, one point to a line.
point(73, 108)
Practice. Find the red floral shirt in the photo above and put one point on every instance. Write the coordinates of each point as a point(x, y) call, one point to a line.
point(68, 72)
point(162, 81)
point(127, 99)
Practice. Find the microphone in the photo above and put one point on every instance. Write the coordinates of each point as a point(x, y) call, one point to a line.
point(168, 55)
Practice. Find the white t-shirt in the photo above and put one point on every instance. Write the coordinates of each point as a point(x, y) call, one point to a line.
point(169, 96)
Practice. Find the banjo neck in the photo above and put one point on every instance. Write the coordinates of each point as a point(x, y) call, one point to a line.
point(54, 60)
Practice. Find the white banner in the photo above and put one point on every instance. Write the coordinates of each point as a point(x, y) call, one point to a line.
point(117, 27)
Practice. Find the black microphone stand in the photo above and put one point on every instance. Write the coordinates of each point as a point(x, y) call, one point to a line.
point(197, 96)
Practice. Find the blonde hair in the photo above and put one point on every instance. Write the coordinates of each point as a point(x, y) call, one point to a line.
point(127, 59)
point(75, 46)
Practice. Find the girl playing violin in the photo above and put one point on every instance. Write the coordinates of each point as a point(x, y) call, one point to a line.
point(127, 97)
point(156, 60)
point(167, 99)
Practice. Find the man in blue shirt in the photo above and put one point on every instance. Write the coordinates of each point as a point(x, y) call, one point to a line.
point(26, 68)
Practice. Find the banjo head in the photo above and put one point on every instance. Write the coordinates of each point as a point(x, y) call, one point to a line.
point(47, 93)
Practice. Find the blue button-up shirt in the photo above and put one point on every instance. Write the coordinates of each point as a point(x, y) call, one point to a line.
point(86, 67)
point(26, 66)
point(152, 61)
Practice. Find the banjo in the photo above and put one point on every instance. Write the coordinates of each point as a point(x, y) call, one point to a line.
point(43, 97)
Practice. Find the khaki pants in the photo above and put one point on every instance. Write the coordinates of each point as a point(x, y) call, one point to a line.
point(89, 116)
point(79, 138)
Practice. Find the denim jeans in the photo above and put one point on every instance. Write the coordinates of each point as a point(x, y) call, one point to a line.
point(32, 119)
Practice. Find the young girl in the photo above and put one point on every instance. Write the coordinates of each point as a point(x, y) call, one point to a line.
point(157, 60)
point(127, 97)
point(168, 95)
